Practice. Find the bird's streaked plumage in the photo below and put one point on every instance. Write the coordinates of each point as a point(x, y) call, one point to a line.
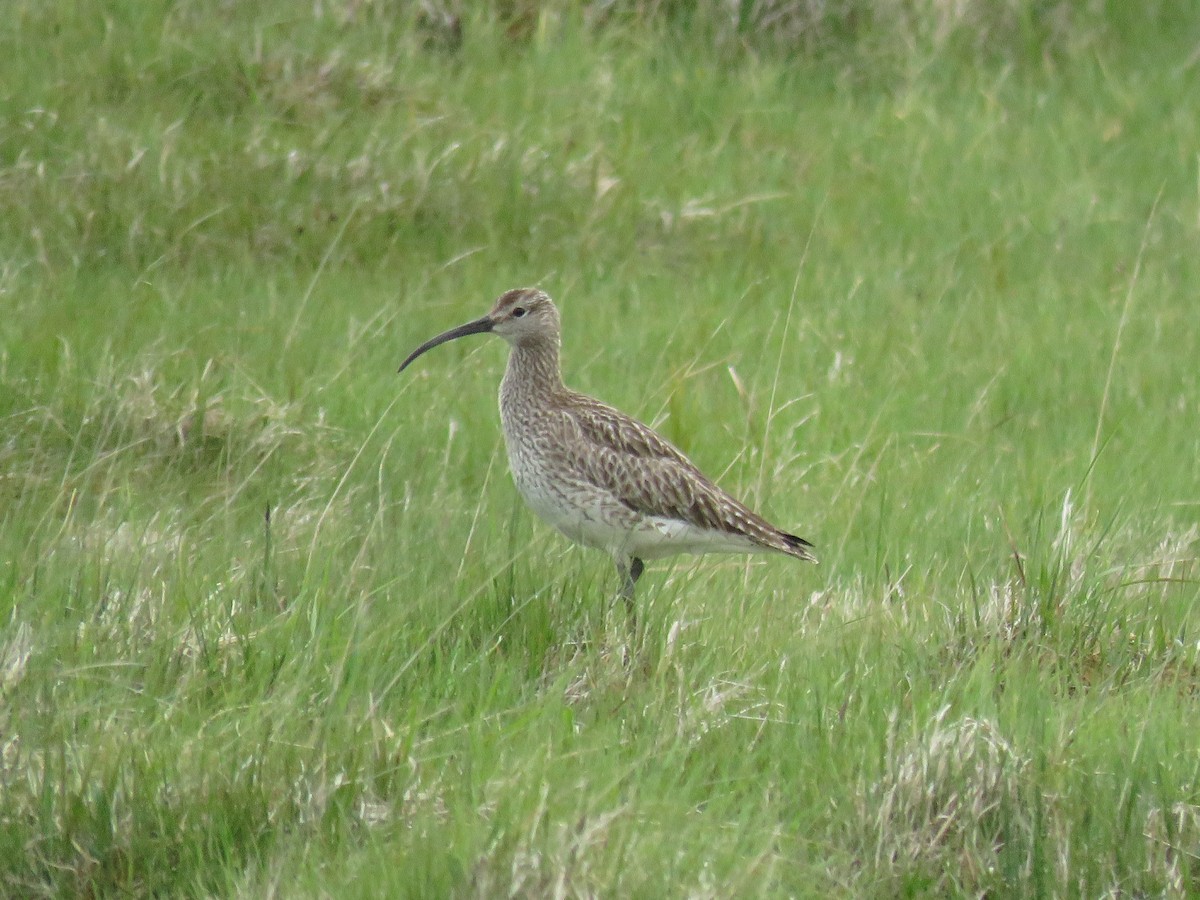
point(600, 477)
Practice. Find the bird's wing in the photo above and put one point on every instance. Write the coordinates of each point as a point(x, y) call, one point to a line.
point(651, 476)
point(602, 425)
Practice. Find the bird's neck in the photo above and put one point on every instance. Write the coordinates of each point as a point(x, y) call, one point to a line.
point(533, 372)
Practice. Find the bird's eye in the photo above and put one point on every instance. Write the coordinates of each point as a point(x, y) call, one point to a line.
point(518, 311)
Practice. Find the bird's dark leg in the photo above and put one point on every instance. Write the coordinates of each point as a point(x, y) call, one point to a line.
point(630, 574)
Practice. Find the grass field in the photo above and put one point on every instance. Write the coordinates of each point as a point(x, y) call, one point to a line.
point(275, 622)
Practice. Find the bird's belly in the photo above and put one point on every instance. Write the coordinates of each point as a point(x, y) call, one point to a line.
point(579, 511)
point(591, 516)
point(658, 536)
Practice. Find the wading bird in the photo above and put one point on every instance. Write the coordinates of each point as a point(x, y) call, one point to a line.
point(601, 478)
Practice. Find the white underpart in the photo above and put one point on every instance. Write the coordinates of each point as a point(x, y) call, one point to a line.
point(656, 536)
point(596, 518)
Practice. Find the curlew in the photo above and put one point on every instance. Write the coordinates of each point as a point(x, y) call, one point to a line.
point(598, 476)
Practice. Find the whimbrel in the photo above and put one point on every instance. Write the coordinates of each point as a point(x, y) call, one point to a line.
point(601, 478)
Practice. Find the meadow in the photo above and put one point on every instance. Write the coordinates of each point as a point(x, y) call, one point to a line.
point(923, 287)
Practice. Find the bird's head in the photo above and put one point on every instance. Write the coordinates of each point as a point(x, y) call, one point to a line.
point(522, 316)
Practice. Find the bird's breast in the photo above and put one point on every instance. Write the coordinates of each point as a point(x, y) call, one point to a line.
point(557, 493)
point(530, 446)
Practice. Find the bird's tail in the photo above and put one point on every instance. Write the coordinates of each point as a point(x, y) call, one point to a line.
point(798, 547)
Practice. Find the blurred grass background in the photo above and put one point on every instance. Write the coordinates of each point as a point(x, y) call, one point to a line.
point(917, 278)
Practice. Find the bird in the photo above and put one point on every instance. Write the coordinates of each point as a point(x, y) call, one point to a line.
point(600, 477)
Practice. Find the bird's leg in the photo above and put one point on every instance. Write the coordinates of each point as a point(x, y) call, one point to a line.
point(630, 573)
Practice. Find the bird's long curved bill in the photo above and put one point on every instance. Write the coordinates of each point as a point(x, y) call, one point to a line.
point(479, 326)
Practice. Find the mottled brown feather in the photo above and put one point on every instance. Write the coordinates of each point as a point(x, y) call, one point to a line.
point(651, 476)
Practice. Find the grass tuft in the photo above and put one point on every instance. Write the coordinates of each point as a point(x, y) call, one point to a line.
point(946, 806)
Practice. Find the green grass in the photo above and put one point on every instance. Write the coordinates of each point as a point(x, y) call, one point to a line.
point(933, 308)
